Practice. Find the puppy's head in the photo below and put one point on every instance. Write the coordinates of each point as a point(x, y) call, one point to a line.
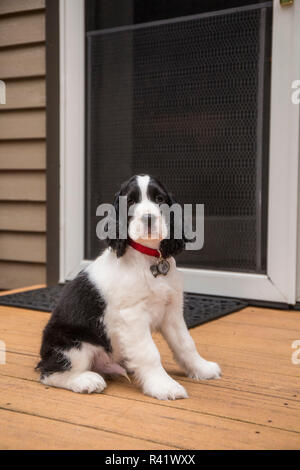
point(146, 223)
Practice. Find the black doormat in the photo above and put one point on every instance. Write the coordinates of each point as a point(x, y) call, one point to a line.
point(198, 308)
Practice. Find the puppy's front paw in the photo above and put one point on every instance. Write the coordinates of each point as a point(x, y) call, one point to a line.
point(206, 370)
point(164, 389)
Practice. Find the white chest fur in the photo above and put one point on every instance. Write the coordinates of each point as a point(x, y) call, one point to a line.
point(126, 281)
point(134, 297)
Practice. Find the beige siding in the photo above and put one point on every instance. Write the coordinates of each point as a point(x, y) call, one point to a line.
point(23, 247)
point(22, 186)
point(22, 29)
point(24, 94)
point(26, 61)
point(23, 216)
point(22, 155)
point(22, 144)
point(22, 124)
point(21, 274)
point(19, 6)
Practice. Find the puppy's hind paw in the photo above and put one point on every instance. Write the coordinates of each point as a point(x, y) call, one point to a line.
point(87, 382)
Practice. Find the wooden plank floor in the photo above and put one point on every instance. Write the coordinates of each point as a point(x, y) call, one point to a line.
point(256, 404)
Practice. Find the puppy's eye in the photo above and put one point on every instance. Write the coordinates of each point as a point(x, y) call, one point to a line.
point(159, 199)
point(130, 202)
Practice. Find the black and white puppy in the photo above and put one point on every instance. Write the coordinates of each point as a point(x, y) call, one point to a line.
point(105, 316)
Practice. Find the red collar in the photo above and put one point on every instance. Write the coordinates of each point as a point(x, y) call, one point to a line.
point(144, 249)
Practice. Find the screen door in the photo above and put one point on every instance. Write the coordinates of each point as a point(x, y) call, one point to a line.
point(181, 90)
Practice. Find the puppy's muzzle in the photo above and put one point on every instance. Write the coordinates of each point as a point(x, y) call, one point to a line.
point(149, 220)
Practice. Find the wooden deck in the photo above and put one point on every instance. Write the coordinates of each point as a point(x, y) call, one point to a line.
point(256, 404)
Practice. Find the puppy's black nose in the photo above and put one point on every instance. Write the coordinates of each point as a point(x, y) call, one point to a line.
point(148, 219)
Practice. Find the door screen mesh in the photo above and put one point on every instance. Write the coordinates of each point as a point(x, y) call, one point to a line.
point(186, 100)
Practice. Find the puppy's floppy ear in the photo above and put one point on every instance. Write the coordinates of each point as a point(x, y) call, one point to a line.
point(117, 244)
point(173, 246)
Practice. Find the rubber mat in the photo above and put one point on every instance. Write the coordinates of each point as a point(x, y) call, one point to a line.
point(198, 308)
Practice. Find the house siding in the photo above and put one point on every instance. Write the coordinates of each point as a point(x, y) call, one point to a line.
point(22, 144)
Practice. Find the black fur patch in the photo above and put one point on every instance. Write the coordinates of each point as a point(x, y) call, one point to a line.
point(76, 318)
point(157, 193)
point(131, 190)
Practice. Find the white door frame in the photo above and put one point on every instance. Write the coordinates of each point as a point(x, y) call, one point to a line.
point(279, 285)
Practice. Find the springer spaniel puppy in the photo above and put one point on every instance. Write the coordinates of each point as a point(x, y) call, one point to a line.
point(105, 316)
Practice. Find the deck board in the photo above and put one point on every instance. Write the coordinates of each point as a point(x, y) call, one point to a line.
point(256, 404)
point(27, 432)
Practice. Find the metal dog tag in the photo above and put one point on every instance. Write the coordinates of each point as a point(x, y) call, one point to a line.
point(163, 267)
point(154, 270)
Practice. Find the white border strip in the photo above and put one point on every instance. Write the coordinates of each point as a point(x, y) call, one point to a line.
point(72, 114)
point(284, 151)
